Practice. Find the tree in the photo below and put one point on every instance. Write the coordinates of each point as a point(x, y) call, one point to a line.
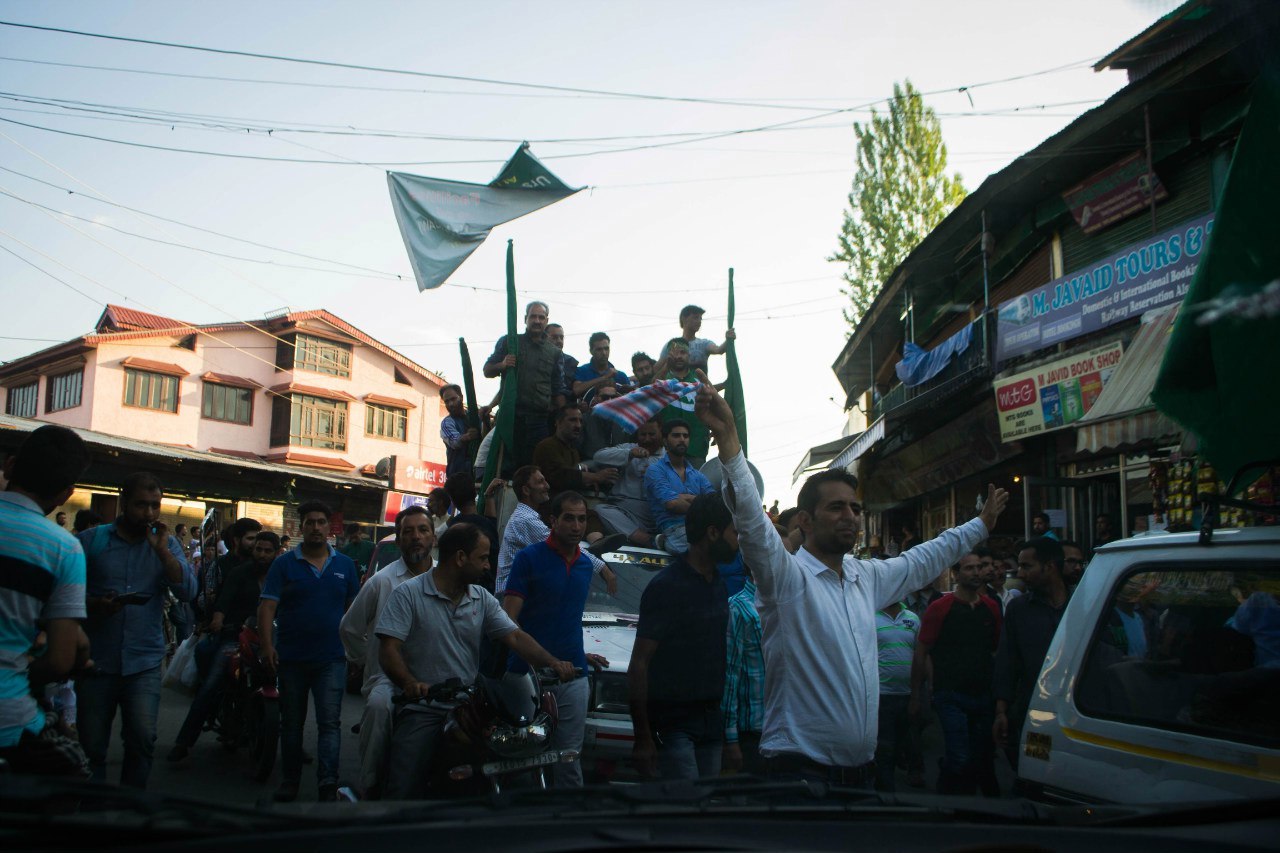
point(900, 193)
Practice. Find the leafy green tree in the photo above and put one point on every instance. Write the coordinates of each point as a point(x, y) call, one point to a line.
point(901, 191)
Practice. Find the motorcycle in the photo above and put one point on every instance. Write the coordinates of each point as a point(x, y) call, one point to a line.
point(497, 732)
point(249, 713)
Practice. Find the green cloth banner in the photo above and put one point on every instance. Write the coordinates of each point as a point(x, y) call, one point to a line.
point(1212, 380)
point(505, 424)
point(469, 386)
point(733, 385)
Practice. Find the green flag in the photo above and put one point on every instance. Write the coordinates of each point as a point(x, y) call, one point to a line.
point(733, 385)
point(504, 426)
point(1213, 380)
point(469, 386)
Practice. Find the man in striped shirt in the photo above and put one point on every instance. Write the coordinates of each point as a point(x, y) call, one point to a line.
point(42, 583)
point(743, 705)
point(896, 631)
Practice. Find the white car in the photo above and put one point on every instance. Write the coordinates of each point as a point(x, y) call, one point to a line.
point(609, 629)
point(1162, 683)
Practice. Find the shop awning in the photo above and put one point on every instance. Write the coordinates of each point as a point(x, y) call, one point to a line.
point(821, 455)
point(860, 445)
point(1123, 414)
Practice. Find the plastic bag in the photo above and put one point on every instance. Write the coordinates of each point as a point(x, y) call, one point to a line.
point(181, 674)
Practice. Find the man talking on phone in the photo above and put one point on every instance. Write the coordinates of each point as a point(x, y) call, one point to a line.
point(131, 564)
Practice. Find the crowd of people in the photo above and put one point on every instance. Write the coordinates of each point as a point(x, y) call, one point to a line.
point(764, 646)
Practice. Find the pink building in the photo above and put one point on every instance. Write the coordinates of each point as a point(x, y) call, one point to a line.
point(302, 388)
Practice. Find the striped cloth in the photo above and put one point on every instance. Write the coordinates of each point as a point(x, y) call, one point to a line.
point(643, 404)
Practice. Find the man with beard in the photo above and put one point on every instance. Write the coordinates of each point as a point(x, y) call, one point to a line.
point(546, 594)
point(817, 610)
point(132, 564)
point(1072, 564)
point(309, 590)
point(415, 535)
point(432, 630)
point(457, 435)
point(241, 535)
point(671, 484)
point(541, 385)
point(642, 365)
point(626, 510)
point(678, 366)
point(557, 456)
point(677, 668)
point(237, 602)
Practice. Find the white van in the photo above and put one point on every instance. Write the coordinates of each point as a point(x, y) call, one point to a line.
point(1162, 683)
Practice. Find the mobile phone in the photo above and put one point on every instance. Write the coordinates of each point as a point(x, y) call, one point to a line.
point(135, 598)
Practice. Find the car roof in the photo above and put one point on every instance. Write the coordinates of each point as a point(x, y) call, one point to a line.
point(1191, 539)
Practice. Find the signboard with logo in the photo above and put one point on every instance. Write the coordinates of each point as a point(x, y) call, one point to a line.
point(1054, 395)
point(1146, 275)
point(395, 502)
point(1118, 191)
point(416, 475)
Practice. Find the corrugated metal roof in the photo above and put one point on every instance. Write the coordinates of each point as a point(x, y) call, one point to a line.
point(164, 451)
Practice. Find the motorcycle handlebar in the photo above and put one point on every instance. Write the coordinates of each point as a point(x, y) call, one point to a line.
point(437, 692)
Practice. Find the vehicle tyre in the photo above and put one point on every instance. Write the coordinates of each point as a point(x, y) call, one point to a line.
point(265, 741)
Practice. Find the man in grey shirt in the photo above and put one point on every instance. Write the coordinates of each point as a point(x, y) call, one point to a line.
point(431, 630)
point(626, 510)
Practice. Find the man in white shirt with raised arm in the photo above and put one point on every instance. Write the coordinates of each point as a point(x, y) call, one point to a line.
point(817, 610)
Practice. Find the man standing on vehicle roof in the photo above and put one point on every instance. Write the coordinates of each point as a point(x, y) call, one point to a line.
point(541, 387)
point(959, 634)
point(1030, 621)
point(132, 564)
point(817, 610)
point(599, 371)
point(546, 594)
point(430, 631)
point(525, 527)
point(309, 589)
point(415, 536)
point(458, 436)
point(699, 348)
point(677, 669)
point(237, 601)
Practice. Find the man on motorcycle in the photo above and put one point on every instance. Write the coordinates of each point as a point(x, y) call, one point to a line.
point(237, 601)
point(431, 630)
point(546, 594)
point(416, 536)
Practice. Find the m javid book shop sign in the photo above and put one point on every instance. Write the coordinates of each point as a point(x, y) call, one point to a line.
point(416, 475)
point(1143, 276)
point(1117, 192)
point(1054, 395)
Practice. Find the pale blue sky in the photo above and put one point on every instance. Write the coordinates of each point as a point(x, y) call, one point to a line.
point(659, 228)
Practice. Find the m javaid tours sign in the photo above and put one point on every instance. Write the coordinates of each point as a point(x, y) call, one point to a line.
point(1054, 395)
point(1146, 275)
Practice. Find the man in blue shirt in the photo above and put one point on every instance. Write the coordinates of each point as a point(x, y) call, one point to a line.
point(458, 436)
point(599, 371)
point(132, 564)
point(671, 484)
point(43, 570)
point(308, 590)
point(546, 594)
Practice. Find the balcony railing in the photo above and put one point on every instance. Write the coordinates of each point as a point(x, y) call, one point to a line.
point(967, 367)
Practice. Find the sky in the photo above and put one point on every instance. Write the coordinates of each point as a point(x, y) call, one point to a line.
point(657, 227)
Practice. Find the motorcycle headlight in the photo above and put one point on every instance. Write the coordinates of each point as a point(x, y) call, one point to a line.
point(519, 741)
point(612, 693)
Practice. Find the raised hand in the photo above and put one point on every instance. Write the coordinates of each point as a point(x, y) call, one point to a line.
point(997, 500)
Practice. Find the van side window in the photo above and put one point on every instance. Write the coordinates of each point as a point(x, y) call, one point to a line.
point(1191, 651)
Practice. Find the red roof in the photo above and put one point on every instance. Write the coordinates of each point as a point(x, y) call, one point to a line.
point(228, 379)
point(292, 458)
point(117, 318)
point(154, 366)
point(389, 401)
point(297, 388)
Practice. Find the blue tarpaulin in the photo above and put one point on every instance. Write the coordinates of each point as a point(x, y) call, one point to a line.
point(920, 365)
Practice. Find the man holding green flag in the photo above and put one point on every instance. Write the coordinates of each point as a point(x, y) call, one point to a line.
point(1209, 379)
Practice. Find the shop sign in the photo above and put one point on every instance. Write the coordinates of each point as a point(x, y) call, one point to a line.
point(1118, 191)
point(1146, 275)
point(396, 502)
point(416, 475)
point(1054, 395)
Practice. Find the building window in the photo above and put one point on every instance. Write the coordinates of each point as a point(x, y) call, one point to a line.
point(147, 390)
point(227, 403)
point(386, 421)
point(301, 420)
point(64, 391)
point(401, 377)
point(320, 355)
point(22, 400)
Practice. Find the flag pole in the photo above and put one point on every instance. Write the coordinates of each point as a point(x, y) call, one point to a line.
point(733, 385)
point(504, 424)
